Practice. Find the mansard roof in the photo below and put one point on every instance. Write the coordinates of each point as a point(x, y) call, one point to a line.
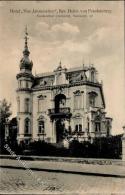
point(72, 75)
point(70, 70)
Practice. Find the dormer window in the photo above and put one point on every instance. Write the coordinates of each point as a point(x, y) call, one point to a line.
point(43, 82)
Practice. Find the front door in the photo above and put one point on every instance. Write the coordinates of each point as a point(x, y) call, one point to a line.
point(60, 127)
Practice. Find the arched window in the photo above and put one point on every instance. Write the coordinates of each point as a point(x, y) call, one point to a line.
point(78, 128)
point(27, 126)
point(18, 104)
point(78, 123)
point(27, 105)
point(98, 123)
point(41, 127)
point(60, 102)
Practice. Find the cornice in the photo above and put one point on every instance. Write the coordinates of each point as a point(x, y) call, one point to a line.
point(24, 89)
point(68, 85)
point(25, 74)
point(22, 113)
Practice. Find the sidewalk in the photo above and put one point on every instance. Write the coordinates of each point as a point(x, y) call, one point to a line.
point(66, 167)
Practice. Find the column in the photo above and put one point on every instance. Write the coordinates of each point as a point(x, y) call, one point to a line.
point(53, 132)
point(83, 124)
point(82, 100)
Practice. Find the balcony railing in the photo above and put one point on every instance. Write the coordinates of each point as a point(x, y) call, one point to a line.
point(64, 110)
point(59, 112)
point(27, 135)
point(94, 108)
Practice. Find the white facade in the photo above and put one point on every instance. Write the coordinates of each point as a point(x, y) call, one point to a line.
point(65, 103)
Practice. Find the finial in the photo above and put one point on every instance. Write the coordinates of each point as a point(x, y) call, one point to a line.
point(59, 67)
point(25, 62)
point(26, 51)
point(83, 63)
point(89, 62)
point(60, 64)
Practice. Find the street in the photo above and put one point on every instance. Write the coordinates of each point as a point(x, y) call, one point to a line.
point(20, 181)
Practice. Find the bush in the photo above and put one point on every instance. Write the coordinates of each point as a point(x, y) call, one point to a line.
point(47, 149)
point(110, 147)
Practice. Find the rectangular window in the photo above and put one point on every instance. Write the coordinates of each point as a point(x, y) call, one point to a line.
point(92, 101)
point(88, 126)
point(42, 105)
point(97, 127)
point(77, 101)
point(27, 126)
point(27, 105)
point(39, 104)
point(27, 84)
point(20, 84)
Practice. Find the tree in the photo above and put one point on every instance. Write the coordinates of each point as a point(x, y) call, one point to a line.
point(13, 128)
point(5, 113)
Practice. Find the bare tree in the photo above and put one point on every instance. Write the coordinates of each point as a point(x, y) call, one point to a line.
point(5, 113)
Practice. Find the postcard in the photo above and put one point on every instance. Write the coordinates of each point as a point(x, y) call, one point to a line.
point(62, 97)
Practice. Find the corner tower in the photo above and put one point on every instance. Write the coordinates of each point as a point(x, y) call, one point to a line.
point(24, 95)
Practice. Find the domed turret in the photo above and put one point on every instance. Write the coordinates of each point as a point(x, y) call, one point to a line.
point(25, 62)
point(25, 80)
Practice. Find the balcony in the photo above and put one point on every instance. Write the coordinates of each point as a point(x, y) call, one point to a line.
point(94, 108)
point(60, 112)
point(27, 135)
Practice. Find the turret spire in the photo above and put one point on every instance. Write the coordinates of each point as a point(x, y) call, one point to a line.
point(25, 62)
point(60, 64)
point(26, 50)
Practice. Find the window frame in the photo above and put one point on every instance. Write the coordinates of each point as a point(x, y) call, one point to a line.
point(77, 101)
point(27, 105)
point(27, 126)
point(41, 127)
point(78, 127)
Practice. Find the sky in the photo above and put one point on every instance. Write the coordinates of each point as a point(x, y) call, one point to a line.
point(87, 36)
